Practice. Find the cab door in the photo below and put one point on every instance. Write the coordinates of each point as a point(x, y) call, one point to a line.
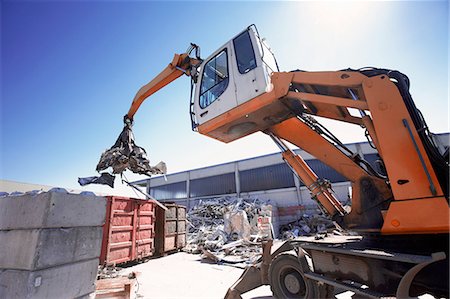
point(249, 74)
point(215, 92)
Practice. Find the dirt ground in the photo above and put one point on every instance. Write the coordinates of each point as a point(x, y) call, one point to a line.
point(183, 275)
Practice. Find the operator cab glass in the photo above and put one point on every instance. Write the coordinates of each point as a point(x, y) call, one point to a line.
point(214, 79)
point(235, 74)
point(245, 55)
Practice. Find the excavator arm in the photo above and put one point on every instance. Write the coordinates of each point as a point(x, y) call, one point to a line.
point(125, 154)
point(181, 64)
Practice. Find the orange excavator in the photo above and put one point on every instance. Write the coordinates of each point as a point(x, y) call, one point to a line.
point(399, 208)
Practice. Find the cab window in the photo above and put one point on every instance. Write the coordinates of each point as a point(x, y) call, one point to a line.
point(245, 56)
point(214, 79)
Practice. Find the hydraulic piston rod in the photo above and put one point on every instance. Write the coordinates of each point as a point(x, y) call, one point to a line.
point(320, 189)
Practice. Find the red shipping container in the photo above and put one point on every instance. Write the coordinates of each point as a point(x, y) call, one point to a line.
point(128, 233)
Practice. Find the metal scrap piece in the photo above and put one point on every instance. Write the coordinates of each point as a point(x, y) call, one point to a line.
point(125, 154)
point(104, 179)
point(225, 229)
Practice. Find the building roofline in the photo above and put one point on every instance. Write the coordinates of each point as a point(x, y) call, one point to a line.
point(246, 159)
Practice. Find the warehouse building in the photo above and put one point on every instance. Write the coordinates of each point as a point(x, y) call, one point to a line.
point(266, 177)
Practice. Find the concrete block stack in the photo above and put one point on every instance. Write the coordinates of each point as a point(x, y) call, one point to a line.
point(50, 244)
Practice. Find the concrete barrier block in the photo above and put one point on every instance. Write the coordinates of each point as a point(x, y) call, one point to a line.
point(60, 246)
point(51, 210)
point(26, 211)
point(42, 248)
point(18, 249)
point(68, 281)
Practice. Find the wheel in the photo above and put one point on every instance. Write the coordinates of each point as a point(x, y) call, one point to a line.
point(287, 280)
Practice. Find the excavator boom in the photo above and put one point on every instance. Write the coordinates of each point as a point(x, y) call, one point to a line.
point(125, 154)
point(181, 64)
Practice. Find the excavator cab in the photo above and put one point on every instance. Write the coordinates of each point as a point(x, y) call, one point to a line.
point(237, 72)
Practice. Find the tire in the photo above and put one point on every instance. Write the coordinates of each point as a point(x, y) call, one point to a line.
point(287, 280)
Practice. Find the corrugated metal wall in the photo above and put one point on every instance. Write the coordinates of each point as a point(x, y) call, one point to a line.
point(213, 185)
point(325, 172)
point(371, 158)
point(170, 191)
point(276, 176)
point(255, 174)
point(270, 177)
point(265, 178)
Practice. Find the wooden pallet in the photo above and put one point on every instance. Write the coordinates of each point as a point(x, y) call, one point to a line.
point(115, 288)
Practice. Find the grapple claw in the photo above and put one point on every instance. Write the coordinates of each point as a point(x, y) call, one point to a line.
point(125, 154)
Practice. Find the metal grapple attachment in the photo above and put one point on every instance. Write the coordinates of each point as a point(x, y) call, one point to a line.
point(125, 154)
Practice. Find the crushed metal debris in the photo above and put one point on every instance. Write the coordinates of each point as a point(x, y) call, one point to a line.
point(307, 225)
point(105, 272)
point(104, 179)
point(125, 154)
point(229, 230)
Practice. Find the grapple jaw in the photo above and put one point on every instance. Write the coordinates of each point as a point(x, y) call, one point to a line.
point(125, 154)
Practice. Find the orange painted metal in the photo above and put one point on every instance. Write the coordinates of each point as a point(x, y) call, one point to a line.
point(301, 135)
point(256, 111)
point(310, 179)
point(339, 79)
point(180, 65)
point(336, 112)
point(328, 94)
point(329, 100)
point(169, 74)
point(128, 233)
point(400, 157)
point(387, 109)
point(418, 216)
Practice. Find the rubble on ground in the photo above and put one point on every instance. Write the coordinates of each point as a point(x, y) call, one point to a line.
point(230, 229)
point(105, 272)
point(226, 229)
point(307, 225)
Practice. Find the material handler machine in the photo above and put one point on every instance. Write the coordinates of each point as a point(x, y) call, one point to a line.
point(399, 208)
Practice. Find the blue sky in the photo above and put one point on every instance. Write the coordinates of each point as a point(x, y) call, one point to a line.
point(69, 71)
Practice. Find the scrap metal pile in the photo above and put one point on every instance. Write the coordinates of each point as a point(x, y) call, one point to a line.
point(229, 229)
point(307, 225)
